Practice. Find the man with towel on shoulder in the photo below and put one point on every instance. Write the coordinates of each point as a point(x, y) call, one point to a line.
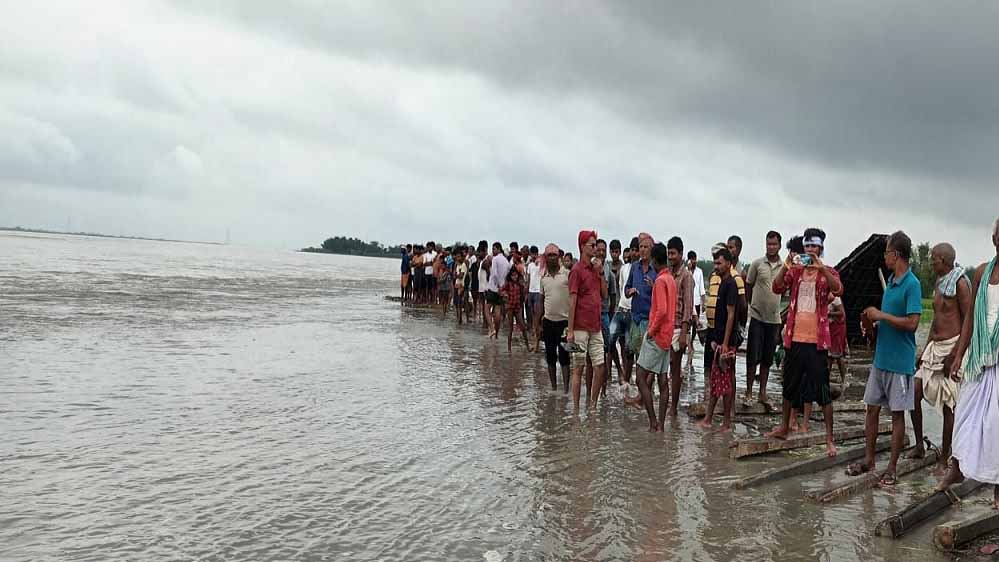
point(951, 305)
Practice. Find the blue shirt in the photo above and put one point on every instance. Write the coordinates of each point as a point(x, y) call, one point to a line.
point(641, 303)
point(405, 262)
point(896, 351)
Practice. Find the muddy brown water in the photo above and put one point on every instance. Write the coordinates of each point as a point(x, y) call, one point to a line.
point(165, 401)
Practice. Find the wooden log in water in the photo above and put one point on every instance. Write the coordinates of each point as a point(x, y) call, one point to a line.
point(904, 521)
point(870, 479)
point(808, 466)
point(749, 447)
point(953, 534)
point(700, 409)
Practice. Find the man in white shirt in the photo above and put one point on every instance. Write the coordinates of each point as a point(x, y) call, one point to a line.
point(428, 272)
point(497, 277)
point(621, 321)
point(533, 289)
point(699, 293)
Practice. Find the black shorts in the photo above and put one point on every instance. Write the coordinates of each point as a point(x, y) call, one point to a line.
point(806, 376)
point(761, 343)
point(419, 280)
point(492, 297)
point(551, 334)
point(431, 281)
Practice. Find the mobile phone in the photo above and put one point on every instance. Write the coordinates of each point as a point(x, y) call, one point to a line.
point(806, 260)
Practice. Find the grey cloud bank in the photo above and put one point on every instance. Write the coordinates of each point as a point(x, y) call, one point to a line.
point(291, 121)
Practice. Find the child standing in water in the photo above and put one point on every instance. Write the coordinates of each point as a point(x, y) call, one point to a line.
point(513, 293)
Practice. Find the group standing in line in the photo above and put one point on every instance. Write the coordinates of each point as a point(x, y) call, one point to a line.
point(641, 307)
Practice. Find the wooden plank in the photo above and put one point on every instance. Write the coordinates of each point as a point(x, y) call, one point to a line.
point(809, 466)
point(904, 521)
point(749, 447)
point(870, 480)
point(953, 534)
point(699, 409)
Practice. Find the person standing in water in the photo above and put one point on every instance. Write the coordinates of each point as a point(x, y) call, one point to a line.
point(586, 290)
point(890, 384)
point(951, 305)
point(657, 342)
point(976, 424)
point(553, 310)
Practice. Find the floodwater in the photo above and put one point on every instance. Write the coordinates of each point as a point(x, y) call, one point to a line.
point(166, 401)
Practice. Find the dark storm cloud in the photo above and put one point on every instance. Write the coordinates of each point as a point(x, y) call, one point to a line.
point(899, 87)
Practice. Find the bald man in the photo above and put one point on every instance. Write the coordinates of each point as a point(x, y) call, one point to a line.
point(951, 305)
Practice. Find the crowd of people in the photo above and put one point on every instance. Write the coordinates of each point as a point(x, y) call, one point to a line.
point(640, 308)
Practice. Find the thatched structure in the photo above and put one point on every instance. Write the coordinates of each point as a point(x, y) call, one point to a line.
point(861, 284)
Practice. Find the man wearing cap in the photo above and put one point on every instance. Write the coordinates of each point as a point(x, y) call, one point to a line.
point(587, 289)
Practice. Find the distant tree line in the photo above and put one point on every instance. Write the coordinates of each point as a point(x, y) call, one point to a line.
point(355, 247)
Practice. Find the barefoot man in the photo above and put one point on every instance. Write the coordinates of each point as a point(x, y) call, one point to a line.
point(684, 318)
point(976, 427)
point(721, 343)
point(890, 383)
point(764, 317)
point(498, 268)
point(806, 369)
point(585, 336)
point(951, 305)
point(654, 356)
point(553, 311)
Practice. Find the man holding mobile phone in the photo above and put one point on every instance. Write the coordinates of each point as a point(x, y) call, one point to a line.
point(806, 375)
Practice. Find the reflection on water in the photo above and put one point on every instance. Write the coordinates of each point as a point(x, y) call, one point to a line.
point(173, 401)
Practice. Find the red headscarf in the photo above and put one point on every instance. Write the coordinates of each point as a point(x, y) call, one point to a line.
point(585, 235)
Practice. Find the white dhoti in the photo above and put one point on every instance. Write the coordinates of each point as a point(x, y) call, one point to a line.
point(976, 428)
point(938, 388)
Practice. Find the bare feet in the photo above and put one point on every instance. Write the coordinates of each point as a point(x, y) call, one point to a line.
point(725, 428)
point(831, 449)
point(918, 452)
point(705, 423)
point(803, 428)
point(858, 468)
point(777, 433)
point(671, 412)
point(953, 476)
point(940, 470)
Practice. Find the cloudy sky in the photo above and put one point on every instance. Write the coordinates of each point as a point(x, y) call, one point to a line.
point(291, 121)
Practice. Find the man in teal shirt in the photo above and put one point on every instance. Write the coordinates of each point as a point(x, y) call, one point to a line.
point(890, 383)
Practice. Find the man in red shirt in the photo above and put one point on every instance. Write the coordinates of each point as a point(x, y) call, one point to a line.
point(587, 289)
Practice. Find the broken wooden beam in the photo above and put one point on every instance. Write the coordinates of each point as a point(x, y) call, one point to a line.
point(953, 534)
point(808, 466)
point(700, 409)
point(870, 479)
point(749, 447)
point(904, 521)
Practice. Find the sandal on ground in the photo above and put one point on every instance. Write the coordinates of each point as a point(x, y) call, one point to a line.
point(857, 468)
point(888, 479)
